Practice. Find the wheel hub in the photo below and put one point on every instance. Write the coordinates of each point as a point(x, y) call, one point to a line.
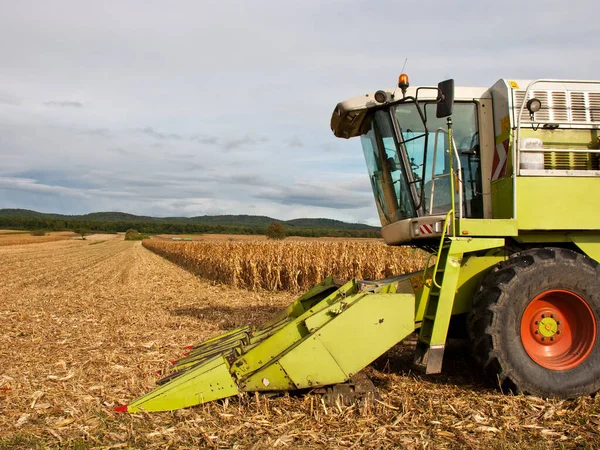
point(558, 329)
point(547, 327)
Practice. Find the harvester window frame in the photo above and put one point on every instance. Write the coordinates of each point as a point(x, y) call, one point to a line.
point(410, 178)
point(389, 195)
point(403, 202)
point(420, 195)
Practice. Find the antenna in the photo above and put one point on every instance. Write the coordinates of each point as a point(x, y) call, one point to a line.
point(404, 66)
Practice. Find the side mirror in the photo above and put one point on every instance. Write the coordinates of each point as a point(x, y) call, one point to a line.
point(445, 100)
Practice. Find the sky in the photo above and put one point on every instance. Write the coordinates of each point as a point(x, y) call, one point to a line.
point(190, 108)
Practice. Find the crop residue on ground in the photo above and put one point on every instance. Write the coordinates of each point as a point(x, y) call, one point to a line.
point(83, 327)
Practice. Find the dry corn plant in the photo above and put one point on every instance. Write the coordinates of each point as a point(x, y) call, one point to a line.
point(291, 266)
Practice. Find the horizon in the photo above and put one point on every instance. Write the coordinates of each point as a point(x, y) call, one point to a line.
point(190, 217)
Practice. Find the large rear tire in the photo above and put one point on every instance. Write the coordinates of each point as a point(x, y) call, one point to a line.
point(535, 323)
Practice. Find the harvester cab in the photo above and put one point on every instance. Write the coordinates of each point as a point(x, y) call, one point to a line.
point(501, 186)
point(413, 164)
point(535, 135)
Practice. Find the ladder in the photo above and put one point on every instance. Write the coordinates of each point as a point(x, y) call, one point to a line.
point(438, 310)
point(440, 300)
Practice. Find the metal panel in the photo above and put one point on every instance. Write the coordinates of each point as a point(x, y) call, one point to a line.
point(309, 364)
point(270, 378)
point(202, 384)
point(368, 329)
point(487, 150)
point(287, 336)
point(269, 349)
point(471, 272)
point(319, 319)
point(558, 203)
point(589, 243)
point(502, 198)
point(486, 227)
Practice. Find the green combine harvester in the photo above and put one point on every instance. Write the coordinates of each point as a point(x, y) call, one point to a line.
point(502, 187)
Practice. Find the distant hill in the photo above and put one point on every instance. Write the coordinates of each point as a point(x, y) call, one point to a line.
point(327, 223)
point(224, 223)
point(99, 216)
point(23, 213)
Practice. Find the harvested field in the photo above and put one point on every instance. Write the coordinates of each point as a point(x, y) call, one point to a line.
point(84, 324)
point(292, 266)
point(11, 237)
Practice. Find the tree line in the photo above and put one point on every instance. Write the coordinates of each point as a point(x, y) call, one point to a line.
point(34, 223)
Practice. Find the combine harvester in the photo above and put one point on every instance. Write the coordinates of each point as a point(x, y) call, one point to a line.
point(502, 186)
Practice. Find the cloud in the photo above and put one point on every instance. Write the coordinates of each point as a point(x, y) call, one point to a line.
point(120, 151)
point(229, 143)
point(226, 143)
point(151, 132)
point(102, 132)
point(121, 187)
point(322, 196)
point(8, 99)
point(210, 140)
point(64, 104)
point(295, 142)
point(246, 179)
point(31, 185)
point(235, 143)
point(193, 167)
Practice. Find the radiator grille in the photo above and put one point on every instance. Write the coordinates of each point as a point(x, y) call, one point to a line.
point(571, 161)
point(561, 107)
point(594, 105)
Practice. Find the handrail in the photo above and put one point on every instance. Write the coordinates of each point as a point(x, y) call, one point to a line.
point(433, 176)
point(559, 150)
point(437, 260)
point(565, 122)
point(451, 163)
point(427, 267)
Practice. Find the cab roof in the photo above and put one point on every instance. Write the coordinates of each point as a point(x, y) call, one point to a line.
point(349, 117)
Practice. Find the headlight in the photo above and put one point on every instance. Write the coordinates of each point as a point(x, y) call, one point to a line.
point(534, 105)
point(381, 96)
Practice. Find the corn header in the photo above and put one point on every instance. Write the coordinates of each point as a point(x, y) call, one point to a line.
point(502, 186)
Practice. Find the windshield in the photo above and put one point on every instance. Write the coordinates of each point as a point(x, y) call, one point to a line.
point(410, 172)
point(388, 180)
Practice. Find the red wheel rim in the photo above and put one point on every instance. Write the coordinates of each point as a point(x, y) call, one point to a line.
point(558, 329)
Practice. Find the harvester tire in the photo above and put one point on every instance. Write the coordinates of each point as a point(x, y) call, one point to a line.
point(535, 323)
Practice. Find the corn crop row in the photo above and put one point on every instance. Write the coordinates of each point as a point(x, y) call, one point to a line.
point(291, 266)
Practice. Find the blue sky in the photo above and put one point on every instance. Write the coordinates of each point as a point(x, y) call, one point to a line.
point(222, 107)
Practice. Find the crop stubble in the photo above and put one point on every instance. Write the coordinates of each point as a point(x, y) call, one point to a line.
point(82, 328)
point(21, 239)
